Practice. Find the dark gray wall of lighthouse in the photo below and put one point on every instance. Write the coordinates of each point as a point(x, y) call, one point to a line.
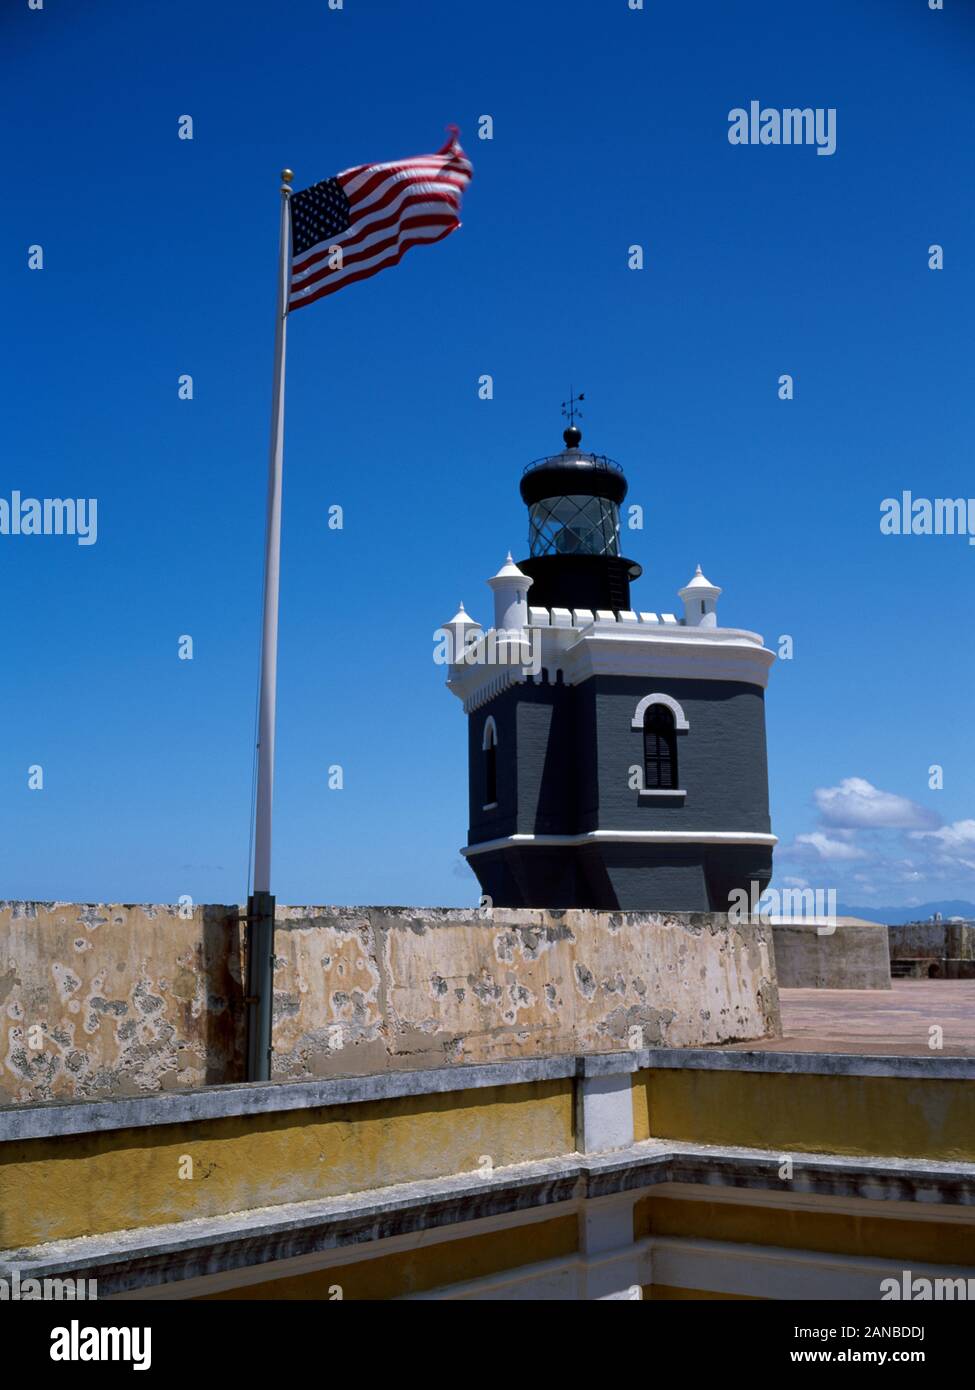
point(721, 759)
point(538, 774)
point(564, 763)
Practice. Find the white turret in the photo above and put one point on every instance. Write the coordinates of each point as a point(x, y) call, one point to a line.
point(700, 601)
point(460, 625)
point(510, 588)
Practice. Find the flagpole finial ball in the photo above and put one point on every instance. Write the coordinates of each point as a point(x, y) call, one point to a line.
point(287, 175)
point(572, 436)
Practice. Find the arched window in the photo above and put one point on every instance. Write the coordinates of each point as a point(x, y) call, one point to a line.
point(659, 749)
point(489, 747)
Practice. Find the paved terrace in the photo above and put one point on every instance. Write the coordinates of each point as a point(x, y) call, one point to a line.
point(873, 1022)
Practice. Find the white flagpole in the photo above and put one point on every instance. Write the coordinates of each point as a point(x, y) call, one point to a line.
point(272, 562)
point(260, 912)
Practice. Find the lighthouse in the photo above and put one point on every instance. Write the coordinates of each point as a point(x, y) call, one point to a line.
point(616, 756)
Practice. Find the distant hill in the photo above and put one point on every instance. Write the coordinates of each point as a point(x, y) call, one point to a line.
point(894, 916)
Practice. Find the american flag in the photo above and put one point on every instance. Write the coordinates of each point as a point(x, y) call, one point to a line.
point(363, 220)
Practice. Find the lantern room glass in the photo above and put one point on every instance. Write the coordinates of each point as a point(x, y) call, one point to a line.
point(574, 526)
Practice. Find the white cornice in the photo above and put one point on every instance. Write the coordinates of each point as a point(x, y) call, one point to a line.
point(614, 648)
point(695, 653)
point(626, 837)
point(476, 686)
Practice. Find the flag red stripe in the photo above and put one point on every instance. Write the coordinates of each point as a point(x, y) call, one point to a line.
point(368, 253)
point(388, 195)
point(373, 270)
point(450, 152)
point(367, 234)
point(441, 168)
point(368, 226)
point(334, 278)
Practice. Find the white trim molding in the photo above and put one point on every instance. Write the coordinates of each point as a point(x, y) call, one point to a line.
point(775, 1272)
point(492, 728)
point(626, 837)
point(604, 1114)
point(791, 1200)
point(680, 721)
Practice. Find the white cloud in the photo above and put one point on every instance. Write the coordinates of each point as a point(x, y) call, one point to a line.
point(959, 835)
point(954, 844)
point(857, 804)
point(875, 845)
point(827, 848)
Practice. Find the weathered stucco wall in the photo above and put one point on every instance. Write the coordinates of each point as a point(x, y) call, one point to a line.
point(369, 988)
point(847, 954)
point(934, 940)
point(115, 1000)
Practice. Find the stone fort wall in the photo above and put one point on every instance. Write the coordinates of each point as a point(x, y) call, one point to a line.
point(117, 1000)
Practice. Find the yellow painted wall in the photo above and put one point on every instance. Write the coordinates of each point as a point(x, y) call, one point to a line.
point(882, 1116)
point(877, 1236)
point(428, 1267)
point(88, 1184)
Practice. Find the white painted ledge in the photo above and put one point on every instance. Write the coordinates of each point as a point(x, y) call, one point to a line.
point(626, 837)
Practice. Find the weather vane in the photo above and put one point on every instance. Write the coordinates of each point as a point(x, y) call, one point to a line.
point(570, 408)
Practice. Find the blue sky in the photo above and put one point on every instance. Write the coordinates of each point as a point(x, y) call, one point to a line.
point(610, 128)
